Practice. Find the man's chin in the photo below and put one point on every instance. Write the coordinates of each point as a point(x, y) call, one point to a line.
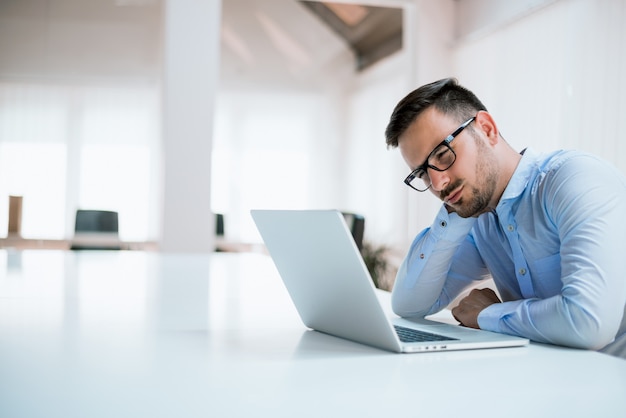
point(464, 215)
point(465, 212)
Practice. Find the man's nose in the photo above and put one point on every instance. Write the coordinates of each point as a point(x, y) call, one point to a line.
point(439, 179)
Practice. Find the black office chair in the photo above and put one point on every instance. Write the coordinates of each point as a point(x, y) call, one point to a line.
point(219, 232)
point(356, 223)
point(96, 230)
point(219, 224)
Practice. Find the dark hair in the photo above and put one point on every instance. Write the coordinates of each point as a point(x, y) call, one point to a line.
point(447, 95)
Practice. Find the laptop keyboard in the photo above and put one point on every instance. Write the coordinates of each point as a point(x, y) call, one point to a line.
point(408, 335)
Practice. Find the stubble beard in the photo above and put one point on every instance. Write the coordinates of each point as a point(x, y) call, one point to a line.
point(482, 193)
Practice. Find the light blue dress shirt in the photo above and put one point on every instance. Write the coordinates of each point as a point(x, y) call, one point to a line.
point(555, 247)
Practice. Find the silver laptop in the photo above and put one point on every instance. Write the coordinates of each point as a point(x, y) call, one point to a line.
point(333, 292)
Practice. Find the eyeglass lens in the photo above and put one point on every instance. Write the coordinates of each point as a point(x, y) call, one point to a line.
point(440, 159)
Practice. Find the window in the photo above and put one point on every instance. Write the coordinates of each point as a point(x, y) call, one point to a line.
point(69, 147)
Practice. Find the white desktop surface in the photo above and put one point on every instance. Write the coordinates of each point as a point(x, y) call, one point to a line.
point(134, 334)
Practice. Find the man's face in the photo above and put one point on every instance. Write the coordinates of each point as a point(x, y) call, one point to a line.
point(468, 186)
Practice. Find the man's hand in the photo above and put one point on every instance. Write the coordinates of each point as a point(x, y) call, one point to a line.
point(470, 306)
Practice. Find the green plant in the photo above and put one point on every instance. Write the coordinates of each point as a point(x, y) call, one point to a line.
point(376, 261)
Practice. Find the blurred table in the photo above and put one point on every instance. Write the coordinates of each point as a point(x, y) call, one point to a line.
point(19, 243)
point(146, 334)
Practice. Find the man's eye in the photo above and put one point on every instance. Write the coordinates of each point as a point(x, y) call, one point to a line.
point(442, 154)
point(442, 157)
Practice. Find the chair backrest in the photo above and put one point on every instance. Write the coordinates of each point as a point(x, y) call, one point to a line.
point(356, 223)
point(95, 221)
point(219, 224)
point(96, 230)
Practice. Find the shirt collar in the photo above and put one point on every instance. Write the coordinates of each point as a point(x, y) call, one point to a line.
point(521, 175)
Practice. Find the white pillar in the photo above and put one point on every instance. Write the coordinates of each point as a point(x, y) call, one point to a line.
point(190, 79)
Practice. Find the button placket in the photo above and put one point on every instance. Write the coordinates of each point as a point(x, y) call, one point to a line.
point(521, 267)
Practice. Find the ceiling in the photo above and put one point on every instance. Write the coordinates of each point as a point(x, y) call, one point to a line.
point(279, 43)
point(371, 32)
point(271, 43)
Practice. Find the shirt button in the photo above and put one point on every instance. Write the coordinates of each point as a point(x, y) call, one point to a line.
point(443, 224)
point(422, 256)
point(511, 228)
point(522, 271)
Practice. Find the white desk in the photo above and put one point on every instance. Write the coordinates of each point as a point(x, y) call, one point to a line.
point(133, 334)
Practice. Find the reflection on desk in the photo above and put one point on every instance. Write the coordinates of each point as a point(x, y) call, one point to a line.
point(91, 334)
point(19, 243)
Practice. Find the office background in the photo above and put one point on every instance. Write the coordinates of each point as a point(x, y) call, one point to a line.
point(167, 111)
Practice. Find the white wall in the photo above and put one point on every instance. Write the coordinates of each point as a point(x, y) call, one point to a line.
point(280, 121)
point(80, 40)
point(475, 18)
point(274, 149)
point(555, 78)
point(372, 175)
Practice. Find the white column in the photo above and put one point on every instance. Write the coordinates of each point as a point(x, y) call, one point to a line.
point(190, 79)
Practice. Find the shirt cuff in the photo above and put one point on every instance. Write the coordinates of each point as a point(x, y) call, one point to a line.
point(489, 318)
point(450, 226)
point(493, 317)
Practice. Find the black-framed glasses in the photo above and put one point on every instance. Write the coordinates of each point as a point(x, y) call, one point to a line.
point(440, 159)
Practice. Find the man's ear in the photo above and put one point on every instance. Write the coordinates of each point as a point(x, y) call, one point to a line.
point(485, 123)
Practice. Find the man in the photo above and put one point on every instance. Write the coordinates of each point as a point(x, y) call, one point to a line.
point(549, 229)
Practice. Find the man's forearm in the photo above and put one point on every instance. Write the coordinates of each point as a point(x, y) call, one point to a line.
point(425, 270)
